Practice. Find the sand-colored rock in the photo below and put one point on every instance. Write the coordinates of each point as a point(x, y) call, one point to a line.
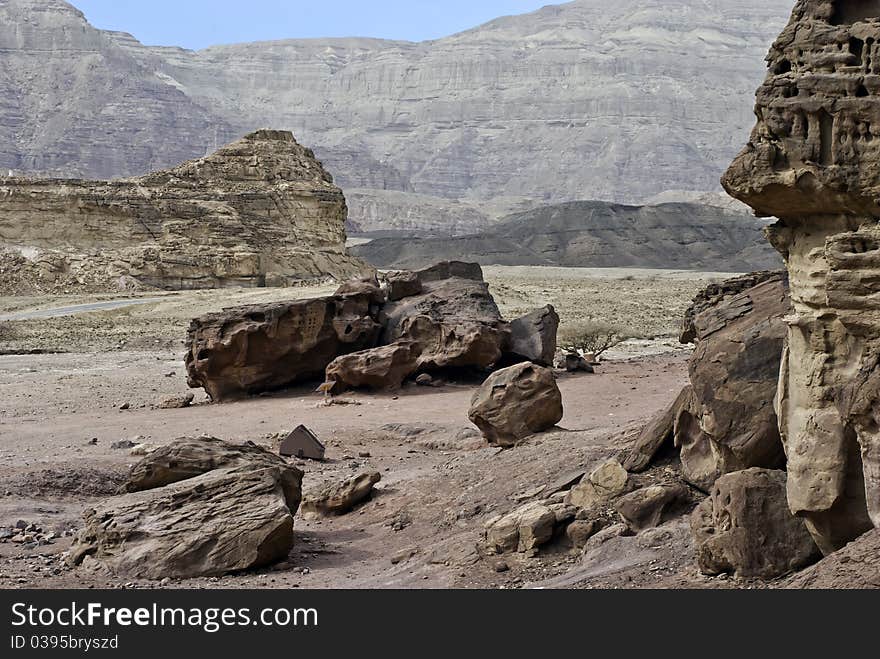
point(515, 403)
point(521, 530)
point(813, 162)
point(385, 367)
point(260, 211)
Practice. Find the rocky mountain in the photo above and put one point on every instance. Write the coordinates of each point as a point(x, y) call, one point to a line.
point(582, 100)
point(260, 211)
point(597, 234)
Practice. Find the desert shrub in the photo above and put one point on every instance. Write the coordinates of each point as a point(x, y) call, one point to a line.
point(594, 337)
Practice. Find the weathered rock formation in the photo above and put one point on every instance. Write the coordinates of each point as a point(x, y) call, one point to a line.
point(812, 161)
point(533, 337)
point(745, 527)
point(454, 319)
point(724, 420)
point(427, 322)
point(261, 211)
point(249, 350)
point(515, 403)
point(199, 507)
point(729, 422)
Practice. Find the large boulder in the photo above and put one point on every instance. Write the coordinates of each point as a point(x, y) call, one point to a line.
point(454, 320)
point(729, 422)
point(199, 520)
point(385, 367)
point(533, 337)
point(515, 403)
point(249, 350)
point(745, 527)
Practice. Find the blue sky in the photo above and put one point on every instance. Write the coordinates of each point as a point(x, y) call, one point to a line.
point(200, 23)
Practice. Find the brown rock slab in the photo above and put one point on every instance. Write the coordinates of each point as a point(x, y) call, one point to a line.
point(533, 336)
point(385, 367)
point(729, 423)
point(659, 432)
point(249, 350)
point(652, 506)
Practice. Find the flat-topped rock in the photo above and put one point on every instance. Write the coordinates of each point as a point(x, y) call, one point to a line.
point(260, 211)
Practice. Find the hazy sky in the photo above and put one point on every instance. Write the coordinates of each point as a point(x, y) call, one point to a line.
point(200, 23)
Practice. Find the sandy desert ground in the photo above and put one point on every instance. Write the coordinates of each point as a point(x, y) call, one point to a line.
point(101, 375)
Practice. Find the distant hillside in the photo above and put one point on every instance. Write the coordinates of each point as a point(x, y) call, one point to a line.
point(596, 234)
point(583, 100)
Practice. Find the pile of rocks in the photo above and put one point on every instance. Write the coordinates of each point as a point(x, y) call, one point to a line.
point(439, 320)
point(605, 500)
point(197, 507)
point(724, 430)
point(28, 535)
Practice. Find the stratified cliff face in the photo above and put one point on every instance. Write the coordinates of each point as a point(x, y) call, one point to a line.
point(259, 211)
point(584, 100)
point(813, 160)
point(74, 103)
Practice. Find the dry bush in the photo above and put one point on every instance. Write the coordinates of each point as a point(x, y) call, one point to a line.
point(589, 337)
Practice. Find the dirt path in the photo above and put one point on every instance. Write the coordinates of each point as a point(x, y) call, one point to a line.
point(61, 414)
point(59, 312)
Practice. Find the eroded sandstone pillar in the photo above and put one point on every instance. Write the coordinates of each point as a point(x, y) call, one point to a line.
point(813, 161)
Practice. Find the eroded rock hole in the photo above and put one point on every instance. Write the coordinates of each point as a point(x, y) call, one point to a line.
point(852, 11)
point(826, 137)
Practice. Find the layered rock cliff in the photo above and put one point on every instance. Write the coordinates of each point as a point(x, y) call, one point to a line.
point(260, 211)
point(813, 160)
point(583, 100)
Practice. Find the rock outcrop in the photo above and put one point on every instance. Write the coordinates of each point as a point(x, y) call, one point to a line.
point(249, 350)
point(745, 527)
point(724, 420)
point(417, 323)
point(261, 211)
point(812, 161)
point(198, 508)
point(729, 423)
point(515, 403)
